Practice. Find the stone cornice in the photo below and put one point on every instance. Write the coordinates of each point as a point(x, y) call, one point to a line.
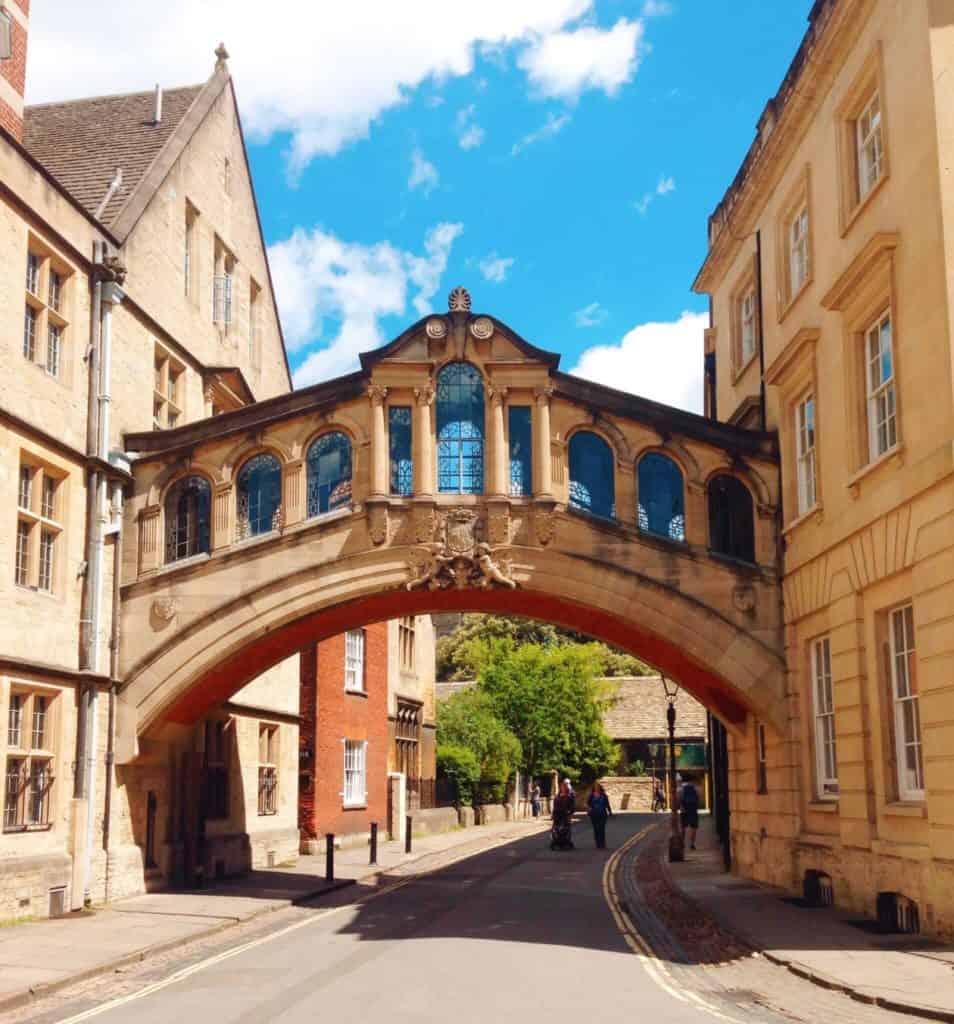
point(878, 248)
point(793, 352)
point(781, 129)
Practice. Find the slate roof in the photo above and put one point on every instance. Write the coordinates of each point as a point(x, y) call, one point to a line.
point(638, 710)
point(82, 142)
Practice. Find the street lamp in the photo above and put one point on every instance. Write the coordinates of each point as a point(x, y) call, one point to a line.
point(676, 845)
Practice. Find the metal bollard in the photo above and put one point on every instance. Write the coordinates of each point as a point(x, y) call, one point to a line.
point(407, 833)
point(329, 856)
point(374, 843)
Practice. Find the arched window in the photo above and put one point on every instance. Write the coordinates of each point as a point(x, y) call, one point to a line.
point(592, 487)
point(731, 518)
point(662, 506)
point(188, 513)
point(328, 465)
point(259, 491)
point(460, 430)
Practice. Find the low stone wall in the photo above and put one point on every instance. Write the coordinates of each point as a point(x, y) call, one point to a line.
point(25, 884)
point(433, 820)
point(490, 814)
point(627, 792)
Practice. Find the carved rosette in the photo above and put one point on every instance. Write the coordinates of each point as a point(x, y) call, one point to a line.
point(378, 523)
point(436, 328)
point(482, 328)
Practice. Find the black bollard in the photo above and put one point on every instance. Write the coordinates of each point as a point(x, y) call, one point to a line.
point(407, 833)
point(329, 856)
point(374, 842)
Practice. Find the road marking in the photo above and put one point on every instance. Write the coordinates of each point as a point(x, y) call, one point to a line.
point(227, 954)
point(652, 964)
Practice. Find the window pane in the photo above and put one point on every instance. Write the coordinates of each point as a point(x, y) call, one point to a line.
point(731, 518)
point(460, 430)
point(188, 511)
point(26, 481)
point(22, 569)
point(592, 483)
point(661, 500)
point(47, 543)
point(328, 466)
point(29, 333)
point(399, 439)
point(521, 452)
point(259, 495)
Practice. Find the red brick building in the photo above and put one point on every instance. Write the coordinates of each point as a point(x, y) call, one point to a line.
point(14, 23)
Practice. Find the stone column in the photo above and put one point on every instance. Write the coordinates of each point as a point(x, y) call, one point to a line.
point(379, 453)
point(423, 442)
point(498, 446)
point(293, 481)
point(542, 472)
point(150, 541)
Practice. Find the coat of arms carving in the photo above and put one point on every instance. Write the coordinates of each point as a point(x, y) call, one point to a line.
point(458, 558)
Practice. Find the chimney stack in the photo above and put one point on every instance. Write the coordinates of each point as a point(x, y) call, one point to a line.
point(157, 117)
point(14, 29)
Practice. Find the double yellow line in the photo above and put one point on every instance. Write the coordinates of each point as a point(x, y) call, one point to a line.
point(652, 964)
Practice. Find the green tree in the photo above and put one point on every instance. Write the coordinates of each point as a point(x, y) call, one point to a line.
point(461, 765)
point(469, 720)
point(552, 700)
point(458, 657)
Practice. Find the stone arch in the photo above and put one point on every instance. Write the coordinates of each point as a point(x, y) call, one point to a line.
point(753, 480)
point(246, 449)
point(732, 670)
point(340, 422)
point(611, 434)
point(176, 471)
point(679, 453)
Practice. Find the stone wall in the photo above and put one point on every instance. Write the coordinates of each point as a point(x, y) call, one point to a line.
point(628, 793)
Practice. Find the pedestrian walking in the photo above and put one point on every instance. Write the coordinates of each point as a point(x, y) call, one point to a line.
point(659, 798)
point(535, 800)
point(572, 792)
point(598, 808)
point(689, 812)
point(561, 833)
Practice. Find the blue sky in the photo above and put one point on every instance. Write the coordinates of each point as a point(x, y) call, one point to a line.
point(558, 157)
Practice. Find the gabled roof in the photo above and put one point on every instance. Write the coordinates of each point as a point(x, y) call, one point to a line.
point(83, 142)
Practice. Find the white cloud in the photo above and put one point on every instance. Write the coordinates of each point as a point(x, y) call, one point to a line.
point(423, 173)
point(469, 133)
point(591, 315)
point(553, 125)
point(495, 268)
point(321, 72)
point(656, 8)
point(318, 276)
point(564, 64)
point(663, 188)
point(661, 361)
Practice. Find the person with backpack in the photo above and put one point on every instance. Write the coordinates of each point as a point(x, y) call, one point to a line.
point(598, 808)
point(689, 812)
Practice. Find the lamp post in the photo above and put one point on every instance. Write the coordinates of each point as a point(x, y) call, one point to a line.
point(676, 846)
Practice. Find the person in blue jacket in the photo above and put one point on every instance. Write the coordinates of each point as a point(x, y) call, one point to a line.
point(598, 808)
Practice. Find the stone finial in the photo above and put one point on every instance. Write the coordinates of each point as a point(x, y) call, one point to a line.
point(221, 58)
point(459, 300)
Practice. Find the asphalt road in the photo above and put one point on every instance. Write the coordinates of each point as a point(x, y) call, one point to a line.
point(518, 933)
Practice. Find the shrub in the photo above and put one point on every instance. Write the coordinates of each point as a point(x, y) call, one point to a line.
point(461, 766)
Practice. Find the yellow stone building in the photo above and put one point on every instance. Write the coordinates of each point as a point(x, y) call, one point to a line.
point(831, 275)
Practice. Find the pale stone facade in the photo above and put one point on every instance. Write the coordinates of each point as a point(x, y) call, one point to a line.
point(845, 209)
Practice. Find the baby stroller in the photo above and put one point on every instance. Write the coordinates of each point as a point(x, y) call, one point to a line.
point(561, 834)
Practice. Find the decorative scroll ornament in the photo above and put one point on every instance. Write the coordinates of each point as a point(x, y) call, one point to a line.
point(377, 394)
point(459, 300)
point(436, 328)
point(482, 328)
point(458, 559)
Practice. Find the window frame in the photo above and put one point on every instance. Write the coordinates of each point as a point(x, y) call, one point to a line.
point(400, 460)
point(407, 629)
point(465, 453)
point(806, 459)
point(38, 534)
point(169, 382)
point(886, 387)
point(355, 664)
point(355, 795)
point(519, 464)
point(606, 451)
point(823, 719)
point(35, 760)
point(47, 292)
point(905, 614)
point(268, 768)
point(243, 520)
point(676, 531)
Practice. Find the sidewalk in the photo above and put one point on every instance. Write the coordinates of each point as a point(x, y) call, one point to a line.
point(38, 957)
point(908, 973)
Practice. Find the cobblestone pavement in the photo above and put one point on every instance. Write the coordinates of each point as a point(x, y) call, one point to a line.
point(702, 960)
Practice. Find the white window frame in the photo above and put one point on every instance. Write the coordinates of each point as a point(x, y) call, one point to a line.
point(798, 251)
point(826, 747)
point(355, 791)
point(354, 661)
point(882, 397)
point(805, 454)
point(869, 145)
point(747, 338)
point(904, 692)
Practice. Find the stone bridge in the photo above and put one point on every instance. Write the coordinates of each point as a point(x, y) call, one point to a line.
point(458, 469)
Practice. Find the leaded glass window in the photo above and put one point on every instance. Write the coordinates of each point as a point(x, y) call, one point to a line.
point(521, 457)
point(460, 430)
point(662, 508)
point(592, 487)
point(329, 473)
point(188, 515)
point(259, 496)
point(731, 518)
point(399, 439)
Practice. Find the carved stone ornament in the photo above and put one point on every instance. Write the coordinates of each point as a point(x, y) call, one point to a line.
point(378, 523)
point(498, 524)
point(544, 525)
point(482, 328)
point(164, 610)
point(459, 300)
point(436, 328)
point(458, 559)
point(377, 394)
point(425, 522)
point(424, 395)
point(743, 599)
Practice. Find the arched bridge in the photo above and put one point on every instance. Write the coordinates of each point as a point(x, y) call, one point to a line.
point(457, 469)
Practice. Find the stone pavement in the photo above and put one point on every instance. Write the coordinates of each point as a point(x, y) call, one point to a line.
point(39, 957)
point(910, 974)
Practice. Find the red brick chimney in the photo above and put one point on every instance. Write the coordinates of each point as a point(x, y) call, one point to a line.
point(14, 27)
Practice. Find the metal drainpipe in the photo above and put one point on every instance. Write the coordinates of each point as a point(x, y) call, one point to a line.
point(758, 293)
point(116, 525)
